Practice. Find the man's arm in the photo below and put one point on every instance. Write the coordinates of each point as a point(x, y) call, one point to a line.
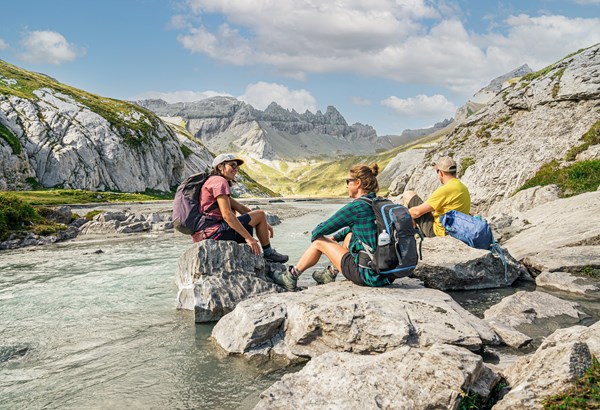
point(417, 211)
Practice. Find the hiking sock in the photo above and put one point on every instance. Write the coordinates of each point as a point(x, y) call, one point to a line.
point(295, 272)
point(267, 250)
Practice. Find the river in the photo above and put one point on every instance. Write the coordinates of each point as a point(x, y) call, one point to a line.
point(81, 329)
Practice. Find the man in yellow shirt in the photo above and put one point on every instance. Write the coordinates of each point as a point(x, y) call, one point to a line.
point(452, 195)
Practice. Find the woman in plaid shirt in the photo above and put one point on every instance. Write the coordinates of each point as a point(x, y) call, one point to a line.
point(355, 225)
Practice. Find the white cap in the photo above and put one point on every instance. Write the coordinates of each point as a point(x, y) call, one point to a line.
point(226, 157)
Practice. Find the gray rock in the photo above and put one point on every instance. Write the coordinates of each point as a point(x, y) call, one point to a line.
point(400, 168)
point(449, 264)
point(523, 127)
point(524, 200)
point(560, 359)
point(568, 282)
point(95, 227)
point(524, 308)
point(398, 379)
point(135, 227)
point(273, 219)
point(344, 317)
point(566, 222)
point(570, 259)
point(214, 276)
point(110, 216)
point(509, 334)
point(154, 218)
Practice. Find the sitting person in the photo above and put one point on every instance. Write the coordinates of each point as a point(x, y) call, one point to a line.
point(220, 221)
point(355, 225)
point(452, 195)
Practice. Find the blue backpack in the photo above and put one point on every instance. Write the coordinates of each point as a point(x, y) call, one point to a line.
point(398, 255)
point(472, 230)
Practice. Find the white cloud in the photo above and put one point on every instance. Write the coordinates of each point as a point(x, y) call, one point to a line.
point(423, 106)
point(47, 47)
point(413, 41)
point(179, 96)
point(361, 101)
point(3, 44)
point(261, 94)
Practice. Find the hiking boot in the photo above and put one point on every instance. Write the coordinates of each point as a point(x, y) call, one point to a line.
point(326, 275)
point(276, 257)
point(286, 279)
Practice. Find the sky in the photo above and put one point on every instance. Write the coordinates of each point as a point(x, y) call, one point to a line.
point(391, 64)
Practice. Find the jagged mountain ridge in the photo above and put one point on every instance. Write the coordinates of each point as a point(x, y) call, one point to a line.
point(227, 124)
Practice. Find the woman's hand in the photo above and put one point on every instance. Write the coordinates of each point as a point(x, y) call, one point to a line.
point(254, 245)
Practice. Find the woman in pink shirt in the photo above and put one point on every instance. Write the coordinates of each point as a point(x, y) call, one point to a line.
point(220, 221)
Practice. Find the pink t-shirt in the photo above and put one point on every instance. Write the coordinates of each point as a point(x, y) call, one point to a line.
point(213, 187)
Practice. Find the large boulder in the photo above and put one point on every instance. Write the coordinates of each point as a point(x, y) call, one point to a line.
point(405, 378)
point(564, 223)
point(560, 359)
point(214, 276)
point(344, 317)
point(449, 264)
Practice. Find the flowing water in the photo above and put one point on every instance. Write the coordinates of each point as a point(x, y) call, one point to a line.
point(80, 329)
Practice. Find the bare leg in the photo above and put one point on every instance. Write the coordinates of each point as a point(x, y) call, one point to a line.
point(407, 196)
point(258, 219)
point(322, 246)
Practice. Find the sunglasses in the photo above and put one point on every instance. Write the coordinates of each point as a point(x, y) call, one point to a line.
point(233, 164)
point(349, 180)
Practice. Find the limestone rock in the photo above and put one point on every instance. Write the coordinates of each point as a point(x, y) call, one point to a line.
point(214, 276)
point(509, 335)
point(560, 359)
point(404, 378)
point(567, 282)
point(570, 259)
point(524, 200)
point(529, 307)
point(524, 126)
point(449, 264)
point(566, 222)
point(343, 317)
point(221, 123)
point(401, 167)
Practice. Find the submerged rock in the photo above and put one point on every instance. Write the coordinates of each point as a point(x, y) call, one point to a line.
point(449, 264)
point(344, 317)
point(407, 378)
point(526, 311)
point(214, 276)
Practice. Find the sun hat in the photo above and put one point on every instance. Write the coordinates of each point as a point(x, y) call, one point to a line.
point(226, 157)
point(446, 164)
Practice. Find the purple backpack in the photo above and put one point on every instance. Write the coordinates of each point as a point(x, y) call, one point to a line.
point(187, 217)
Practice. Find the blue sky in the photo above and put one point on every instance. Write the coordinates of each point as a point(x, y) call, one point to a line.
point(392, 64)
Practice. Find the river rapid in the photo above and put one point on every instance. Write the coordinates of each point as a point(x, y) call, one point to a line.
point(84, 329)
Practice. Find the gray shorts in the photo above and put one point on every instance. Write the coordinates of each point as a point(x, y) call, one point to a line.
point(425, 221)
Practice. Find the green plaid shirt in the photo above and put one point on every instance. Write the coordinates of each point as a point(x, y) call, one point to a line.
point(356, 217)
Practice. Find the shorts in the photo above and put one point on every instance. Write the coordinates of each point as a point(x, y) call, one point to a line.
point(350, 270)
point(425, 221)
point(227, 233)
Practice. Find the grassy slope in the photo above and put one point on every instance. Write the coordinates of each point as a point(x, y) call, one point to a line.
point(325, 178)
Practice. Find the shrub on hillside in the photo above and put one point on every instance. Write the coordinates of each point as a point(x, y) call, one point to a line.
point(580, 177)
point(15, 215)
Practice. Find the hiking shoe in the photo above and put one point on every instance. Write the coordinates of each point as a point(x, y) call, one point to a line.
point(326, 275)
point(276, 257)
point(286, 279)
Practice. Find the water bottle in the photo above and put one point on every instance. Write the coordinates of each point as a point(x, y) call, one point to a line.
point(384, 238)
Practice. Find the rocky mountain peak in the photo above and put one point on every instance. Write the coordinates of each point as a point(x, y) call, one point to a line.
point(333, 116)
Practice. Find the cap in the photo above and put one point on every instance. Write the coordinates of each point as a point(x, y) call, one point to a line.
point(226, 157)
point(446, 164)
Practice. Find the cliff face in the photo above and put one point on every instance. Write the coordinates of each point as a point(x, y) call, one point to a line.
point(526, 125)
point(226, 124)
point(58, 136)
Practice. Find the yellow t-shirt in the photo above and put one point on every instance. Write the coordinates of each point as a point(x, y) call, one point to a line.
point(453, 195)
